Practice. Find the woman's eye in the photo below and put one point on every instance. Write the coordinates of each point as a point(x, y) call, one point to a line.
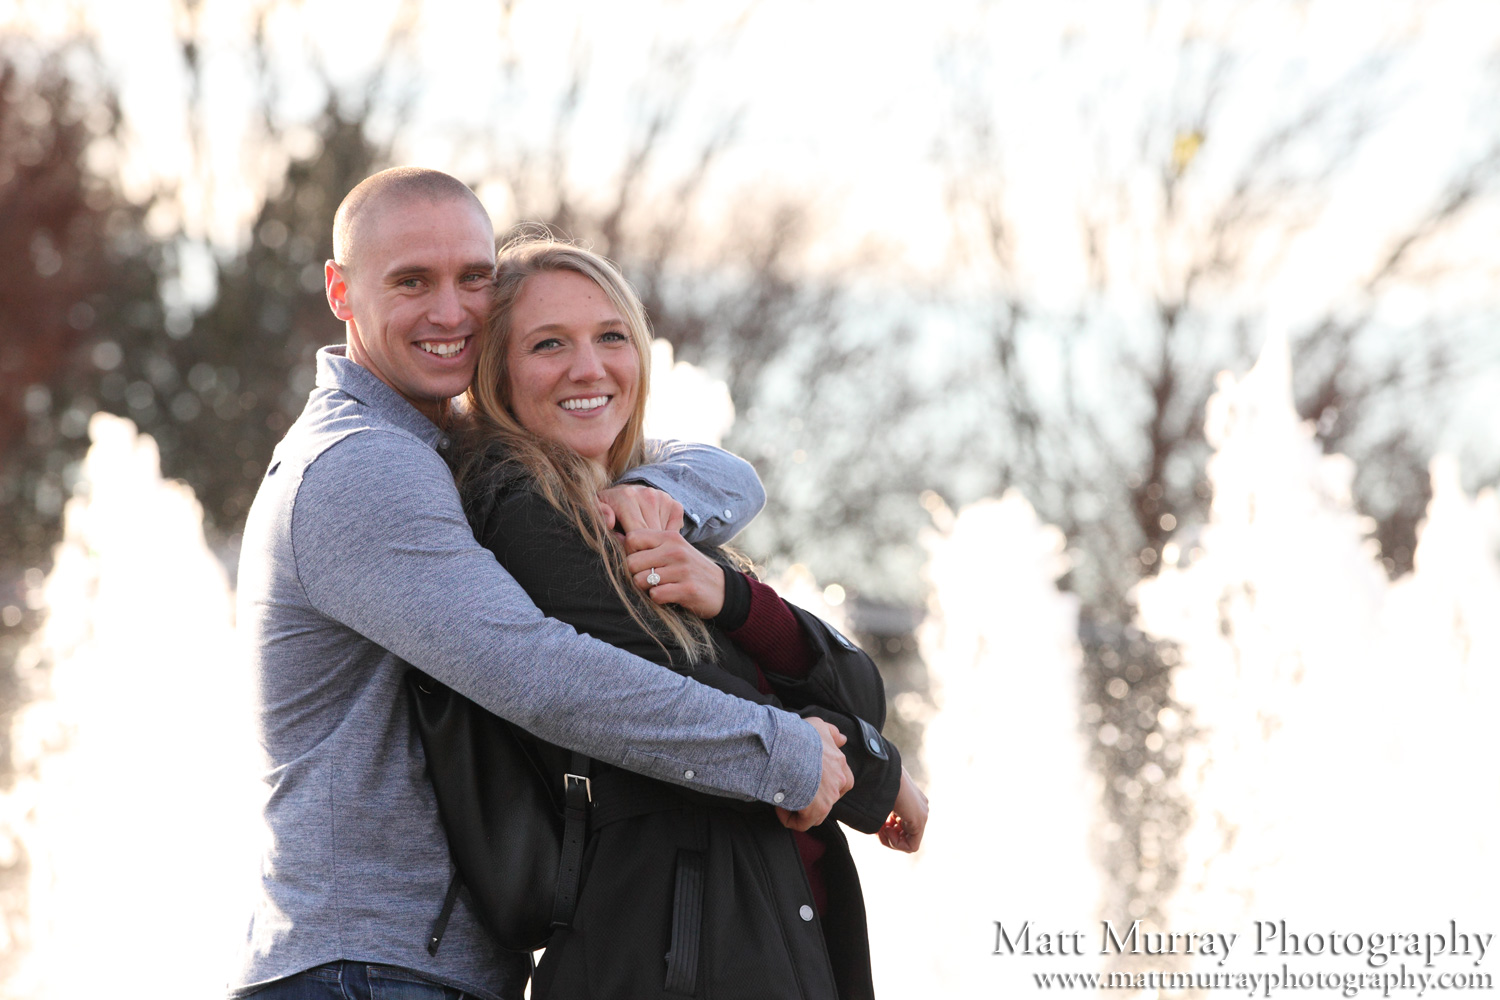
point(614, 336)
point(546, 345)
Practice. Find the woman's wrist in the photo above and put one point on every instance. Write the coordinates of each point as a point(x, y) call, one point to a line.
point(736, 600)
point(771, 634)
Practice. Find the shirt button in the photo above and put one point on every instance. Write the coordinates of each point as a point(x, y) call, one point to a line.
point(690, 774)
point(728, 514)
point(806, 913)
point(778, 798)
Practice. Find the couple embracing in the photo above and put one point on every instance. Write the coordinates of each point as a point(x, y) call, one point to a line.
point(530, 550)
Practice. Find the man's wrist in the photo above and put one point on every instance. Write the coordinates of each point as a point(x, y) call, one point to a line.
point(636, 477)
point(795, 772)
point(720, 492)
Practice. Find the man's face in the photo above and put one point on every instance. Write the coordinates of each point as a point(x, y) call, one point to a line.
point(415, 296)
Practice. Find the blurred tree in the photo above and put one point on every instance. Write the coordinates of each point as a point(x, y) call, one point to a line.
point(1195, 183)
point(241, 370)
point(1198, 152)
point(85, 327)
point(231, 379)
point(79, 272)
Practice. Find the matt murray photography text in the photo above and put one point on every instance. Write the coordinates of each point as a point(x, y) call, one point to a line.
point(1270, 937)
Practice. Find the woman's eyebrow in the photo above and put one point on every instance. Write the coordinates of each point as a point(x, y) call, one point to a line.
point(552, 327)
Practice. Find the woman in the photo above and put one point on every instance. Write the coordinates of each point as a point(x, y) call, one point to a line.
point(684, 894)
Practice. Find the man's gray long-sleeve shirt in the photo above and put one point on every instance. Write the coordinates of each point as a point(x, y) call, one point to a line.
point(357, 559)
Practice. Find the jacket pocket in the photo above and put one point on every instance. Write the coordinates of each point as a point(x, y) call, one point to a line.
point(687, 925)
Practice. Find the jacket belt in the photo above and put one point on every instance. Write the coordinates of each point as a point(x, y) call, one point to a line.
point(622, 795)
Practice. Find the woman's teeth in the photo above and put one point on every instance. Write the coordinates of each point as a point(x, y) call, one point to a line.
point(444, 349)
point(585, 404)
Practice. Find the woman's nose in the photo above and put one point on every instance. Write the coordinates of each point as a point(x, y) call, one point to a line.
point(586, 365)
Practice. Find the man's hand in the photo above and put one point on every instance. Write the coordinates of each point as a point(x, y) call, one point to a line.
point(908, 819)
point(684, 576)
point(836, 780)
point(631, 507)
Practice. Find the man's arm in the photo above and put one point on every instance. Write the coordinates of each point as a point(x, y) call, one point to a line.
point(719, 492)
point(382, 546)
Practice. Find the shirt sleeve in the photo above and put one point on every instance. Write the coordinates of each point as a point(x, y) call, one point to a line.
point(720, 493)
point(382, 546)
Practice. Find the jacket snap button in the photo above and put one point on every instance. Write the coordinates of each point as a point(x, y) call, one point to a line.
point(806, 913)
point(874, 744)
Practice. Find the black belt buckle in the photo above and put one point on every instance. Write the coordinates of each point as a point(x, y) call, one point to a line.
point(572, 781)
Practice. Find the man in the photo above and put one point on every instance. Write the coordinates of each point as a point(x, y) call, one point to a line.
point(357, 557)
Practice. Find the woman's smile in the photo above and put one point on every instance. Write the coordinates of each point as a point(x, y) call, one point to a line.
point(585, 406)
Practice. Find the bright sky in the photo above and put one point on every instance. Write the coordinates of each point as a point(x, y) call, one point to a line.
point(846, 100)
point(846, 104)
point(836, 95)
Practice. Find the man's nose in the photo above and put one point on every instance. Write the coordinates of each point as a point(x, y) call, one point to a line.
point(446, 308)
point(586, 366)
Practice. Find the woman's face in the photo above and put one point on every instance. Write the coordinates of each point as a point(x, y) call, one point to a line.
point(574, 373)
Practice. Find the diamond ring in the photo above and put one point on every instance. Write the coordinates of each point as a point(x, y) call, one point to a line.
point(653, 578)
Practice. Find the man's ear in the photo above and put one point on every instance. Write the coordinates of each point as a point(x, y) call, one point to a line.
point(338, 290)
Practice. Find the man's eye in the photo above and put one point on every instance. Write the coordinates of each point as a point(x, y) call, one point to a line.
point(478, 277)
point(411, 282)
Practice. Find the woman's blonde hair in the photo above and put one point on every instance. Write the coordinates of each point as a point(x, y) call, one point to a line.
point(497, 448)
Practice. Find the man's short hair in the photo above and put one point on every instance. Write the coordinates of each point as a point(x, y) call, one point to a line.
point(399, 183)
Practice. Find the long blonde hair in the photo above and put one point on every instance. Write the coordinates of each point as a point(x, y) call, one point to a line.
point(497, 448)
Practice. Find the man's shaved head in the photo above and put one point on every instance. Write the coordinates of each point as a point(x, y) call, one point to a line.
point(412, 280)
point(397, 185)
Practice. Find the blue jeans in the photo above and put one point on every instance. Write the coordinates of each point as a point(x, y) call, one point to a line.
point(356, 981)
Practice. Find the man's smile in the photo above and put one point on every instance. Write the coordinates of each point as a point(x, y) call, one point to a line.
point(443, 348)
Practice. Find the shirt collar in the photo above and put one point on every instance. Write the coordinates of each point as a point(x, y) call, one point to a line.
point(336, 371)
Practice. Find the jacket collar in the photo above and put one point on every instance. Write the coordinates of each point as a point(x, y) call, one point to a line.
point(337, 372)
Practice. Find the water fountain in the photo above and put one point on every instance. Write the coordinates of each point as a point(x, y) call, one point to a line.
point(1338, 781)
point(1012, 800)
point(138, 812)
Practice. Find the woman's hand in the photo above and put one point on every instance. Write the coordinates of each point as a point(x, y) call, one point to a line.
point(684, 576)
point(903, 829)
point(631, 507)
